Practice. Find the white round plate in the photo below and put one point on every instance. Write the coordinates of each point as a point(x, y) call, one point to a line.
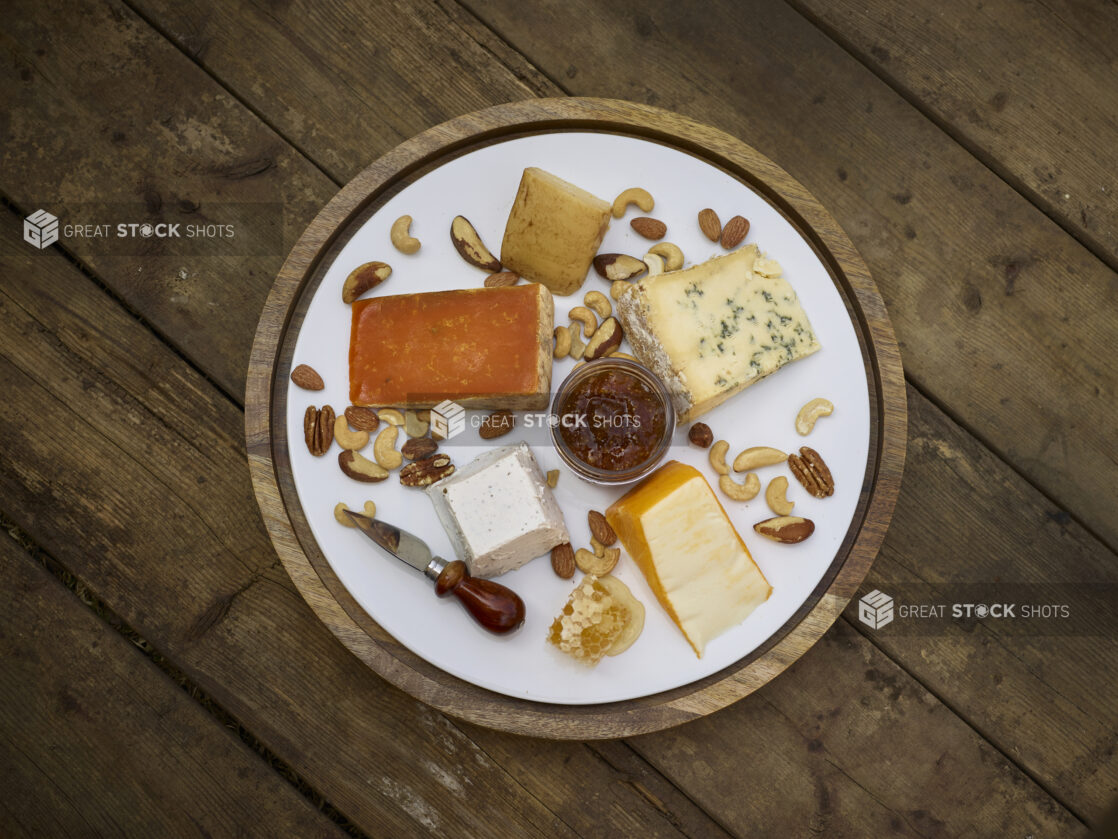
point(481, 185)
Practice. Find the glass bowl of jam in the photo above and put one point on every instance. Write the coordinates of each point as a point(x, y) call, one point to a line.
point(612, 421)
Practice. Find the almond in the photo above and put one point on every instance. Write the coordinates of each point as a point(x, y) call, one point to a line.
point(618, 266)
point(418, 448)
point(307, 378)
point(363, 419)
point(786, 529)
point(649, 228)
point(501, 279)
point(363, 278)
point(733, 234)
point(563, 561)
point(497, 424)
point(600, 528)
point(710, 224)
point(470, 247)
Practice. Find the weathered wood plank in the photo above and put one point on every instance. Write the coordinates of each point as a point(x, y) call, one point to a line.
point(153, 509)
point(1001, 315)
point(1031, 88)
point(96, 741)
point(964, 517)
point(356, 80)
point(823, 758)
point(126, 512)
point(105, 121)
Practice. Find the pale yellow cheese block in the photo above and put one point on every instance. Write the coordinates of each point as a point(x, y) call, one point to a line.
point(696, 564)
point(553, 231)
point(712, 330)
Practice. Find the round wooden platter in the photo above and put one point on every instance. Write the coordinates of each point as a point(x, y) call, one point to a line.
point(270, 364)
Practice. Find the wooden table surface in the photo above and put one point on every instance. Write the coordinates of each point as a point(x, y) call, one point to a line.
point(159, 673)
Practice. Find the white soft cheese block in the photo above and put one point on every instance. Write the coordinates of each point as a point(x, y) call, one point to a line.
point(678, 534)
point(499, 511)
point(712, 330)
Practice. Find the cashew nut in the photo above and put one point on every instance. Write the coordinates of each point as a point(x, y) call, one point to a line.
point(673, 256)
point(588, 563)
point(809, 413)
point(617, 289)
point(717, 457)
point(740, 492)
point(599, 548)
point(655, 263)
point(633, 195)
point(577, 347)
point(341, 517)
point(391, 416)
point(384, 448)
point(776, 496)
point(352, 440)
point(370, 510)
point(562, 342)
point(599, 303)
point(757, 456)
point(586, 318)
point(402, 240)
point(415, 425)
point(619, 354)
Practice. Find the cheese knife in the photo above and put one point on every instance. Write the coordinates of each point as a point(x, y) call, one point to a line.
point(497, 608)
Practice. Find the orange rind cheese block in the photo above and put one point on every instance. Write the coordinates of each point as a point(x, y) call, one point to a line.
point(696, 564)
point(479, 347)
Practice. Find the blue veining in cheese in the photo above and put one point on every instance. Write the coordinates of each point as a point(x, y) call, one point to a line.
point(711, 330)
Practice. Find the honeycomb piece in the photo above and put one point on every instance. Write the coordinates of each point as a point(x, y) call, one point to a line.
point(591, 621)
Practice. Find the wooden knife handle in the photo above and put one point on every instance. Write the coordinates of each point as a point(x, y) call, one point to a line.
point(494, 606)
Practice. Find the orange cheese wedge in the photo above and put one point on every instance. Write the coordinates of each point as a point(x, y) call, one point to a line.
point(696, 564)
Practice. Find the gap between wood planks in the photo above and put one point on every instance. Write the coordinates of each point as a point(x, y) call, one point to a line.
point(484, 37)
point(976, 151)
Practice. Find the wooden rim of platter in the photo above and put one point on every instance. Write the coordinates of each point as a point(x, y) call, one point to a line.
point(270, 365)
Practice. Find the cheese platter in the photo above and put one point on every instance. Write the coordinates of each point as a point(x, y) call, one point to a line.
point(538, 263)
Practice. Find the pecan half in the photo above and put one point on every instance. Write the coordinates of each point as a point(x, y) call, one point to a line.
point(812, 472)
point(425, 472)
point(318, 429)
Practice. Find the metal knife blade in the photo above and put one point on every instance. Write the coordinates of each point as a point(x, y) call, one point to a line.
point(401, 544)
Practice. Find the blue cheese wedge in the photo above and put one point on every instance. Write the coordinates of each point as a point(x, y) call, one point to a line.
point(499, 511)
point(712, 330)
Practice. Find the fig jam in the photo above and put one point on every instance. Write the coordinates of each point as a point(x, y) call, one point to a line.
point(612, 420)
